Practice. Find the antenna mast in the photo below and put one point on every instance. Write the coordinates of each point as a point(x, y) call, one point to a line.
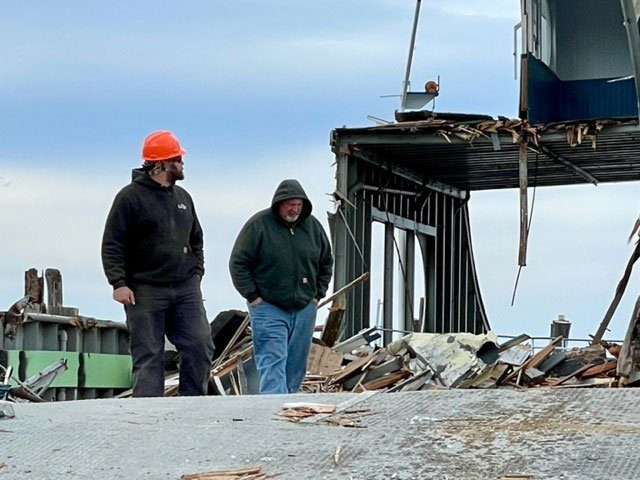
point(405, 85)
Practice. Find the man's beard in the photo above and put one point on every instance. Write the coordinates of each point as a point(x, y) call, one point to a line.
point(174, 175)
point(291, 218)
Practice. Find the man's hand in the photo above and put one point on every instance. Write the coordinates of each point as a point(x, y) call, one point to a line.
point(124, 295)
point(256, 302)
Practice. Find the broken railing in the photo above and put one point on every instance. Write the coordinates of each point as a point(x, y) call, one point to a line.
point(49, 351)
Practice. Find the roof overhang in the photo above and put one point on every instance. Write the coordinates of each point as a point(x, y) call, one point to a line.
point(484, 155)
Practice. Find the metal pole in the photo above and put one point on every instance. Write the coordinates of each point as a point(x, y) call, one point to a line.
point(409, 283)
point(633, 38)
point(405, 85)
point(387, 305)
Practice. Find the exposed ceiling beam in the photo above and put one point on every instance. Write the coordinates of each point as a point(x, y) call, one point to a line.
point(567, 163)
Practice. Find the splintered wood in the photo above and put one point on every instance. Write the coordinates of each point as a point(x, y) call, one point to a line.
point(326, 413)
point(249, 473)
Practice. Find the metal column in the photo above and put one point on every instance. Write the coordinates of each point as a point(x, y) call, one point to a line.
point(409, 286)
point(388, 282)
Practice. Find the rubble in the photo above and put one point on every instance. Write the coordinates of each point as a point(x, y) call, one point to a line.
point(6, 410)
point(249, 473)
point(421, 361)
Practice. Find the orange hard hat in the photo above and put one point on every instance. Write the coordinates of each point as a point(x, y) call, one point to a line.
point(161, 145)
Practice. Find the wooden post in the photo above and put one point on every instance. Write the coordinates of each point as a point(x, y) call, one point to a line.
point(524, 208)
point(34, 286)
point(53, 278)
point(331, 330)
point(622, 285)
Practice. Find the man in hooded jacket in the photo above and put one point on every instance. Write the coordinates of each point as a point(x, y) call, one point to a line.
point(281, 264)
point(152, 254)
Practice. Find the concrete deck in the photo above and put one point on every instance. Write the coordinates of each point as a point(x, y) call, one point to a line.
point(457, 434)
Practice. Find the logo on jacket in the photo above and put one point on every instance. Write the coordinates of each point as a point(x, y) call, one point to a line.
point(182, 206)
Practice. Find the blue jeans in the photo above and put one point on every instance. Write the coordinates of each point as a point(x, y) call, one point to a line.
point(281, 343)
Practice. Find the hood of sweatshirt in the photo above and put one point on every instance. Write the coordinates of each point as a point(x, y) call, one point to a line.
point(287, 190)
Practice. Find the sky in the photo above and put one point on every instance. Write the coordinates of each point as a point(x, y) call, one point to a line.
point(253, 90)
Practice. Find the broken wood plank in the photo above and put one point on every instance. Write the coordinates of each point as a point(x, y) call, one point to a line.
point(571, 375)
point(341, 407)
point(331, 330)
point(608, 382)
point(536, 360)
point(628, 367)
point(598, 370)
point(352, 368)
point(387, 380)
point(543, 354)
point(362, 278)
point(310, 407)
point(622, 285)
point(323, 361)
point(372, 373)
point(243, 326)
point(238, 474)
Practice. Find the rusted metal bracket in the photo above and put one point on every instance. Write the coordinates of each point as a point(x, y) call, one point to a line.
point(13, 317)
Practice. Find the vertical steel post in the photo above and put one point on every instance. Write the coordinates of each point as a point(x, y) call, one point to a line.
point(409, 285)
point(388, 282)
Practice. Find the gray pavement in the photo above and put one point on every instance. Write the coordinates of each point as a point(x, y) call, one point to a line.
point(456, 434)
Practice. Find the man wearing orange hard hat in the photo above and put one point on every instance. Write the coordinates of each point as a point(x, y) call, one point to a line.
point(152, 254)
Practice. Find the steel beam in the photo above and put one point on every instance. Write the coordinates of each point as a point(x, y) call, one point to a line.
point(340, 230)
point(387, 315)
point(401, 222)
point(567, 163)
point(408, 286)
point(412, 176)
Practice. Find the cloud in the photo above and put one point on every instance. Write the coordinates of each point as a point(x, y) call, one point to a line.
point(577, 253)
point(496, 9)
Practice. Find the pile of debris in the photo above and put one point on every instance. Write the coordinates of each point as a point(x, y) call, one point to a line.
point(32, 389)
point(417, 361)
point(471, 127)
point(248, 473)
point(346, 414)
point(422, 361)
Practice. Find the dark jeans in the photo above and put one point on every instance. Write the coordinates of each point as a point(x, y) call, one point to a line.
point(176, 311)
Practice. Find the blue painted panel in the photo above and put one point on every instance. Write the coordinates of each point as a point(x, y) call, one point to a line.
point(552, 100)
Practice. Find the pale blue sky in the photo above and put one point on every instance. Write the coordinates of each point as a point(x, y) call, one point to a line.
point(253, 89)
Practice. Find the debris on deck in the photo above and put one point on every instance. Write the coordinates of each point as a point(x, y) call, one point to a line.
point(421, 361)
point(344, 415)
point(249, 473)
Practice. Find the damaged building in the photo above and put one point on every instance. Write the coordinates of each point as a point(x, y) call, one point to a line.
point(578, 124)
